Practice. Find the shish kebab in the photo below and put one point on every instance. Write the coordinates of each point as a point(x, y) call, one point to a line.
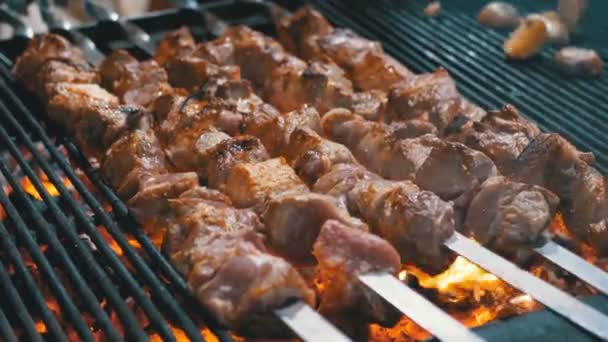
point(515, 274)
point(516, 145)
point(175, 181)
point(66, 70)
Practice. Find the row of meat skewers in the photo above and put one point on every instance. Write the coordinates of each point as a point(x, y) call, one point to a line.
point(191, 115)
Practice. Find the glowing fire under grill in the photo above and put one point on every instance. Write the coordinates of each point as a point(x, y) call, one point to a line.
point(90, 272)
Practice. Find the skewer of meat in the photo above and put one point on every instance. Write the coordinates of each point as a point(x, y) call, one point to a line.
point(135, 162)
point(502, 135)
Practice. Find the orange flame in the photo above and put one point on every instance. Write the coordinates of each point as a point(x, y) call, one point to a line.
point(50, 188)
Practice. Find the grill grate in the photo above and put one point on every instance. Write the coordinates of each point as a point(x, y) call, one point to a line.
point(139, 284)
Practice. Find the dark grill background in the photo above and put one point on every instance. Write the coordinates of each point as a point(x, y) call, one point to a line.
point(79, 278)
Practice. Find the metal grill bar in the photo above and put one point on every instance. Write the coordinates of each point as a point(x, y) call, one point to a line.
point(68, 229)
point(50, 276)
point(6, 332)
point(44, 229)
point(158, 290)
point(21, 313)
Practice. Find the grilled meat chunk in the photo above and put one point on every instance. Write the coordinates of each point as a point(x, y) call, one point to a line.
point(509, 217)
point(150, 205)
point(275, 132)
point(50, 58)
point(217, 163)
point(312, 155)
point(134, 82)
point(412, 129)
point(431, 97)
point(343, 254)
point(579, 62)
point(551, 162)
point(293, 220)
point(69, 102)
point(192, 72)
point(224, 261)
point(415, 222)
point(131, 160)
point(364, 61)
point(451, 170)
point(175, 44)
point(99, 127)
point(298, 32)
point(502, 135)
point(251, 184)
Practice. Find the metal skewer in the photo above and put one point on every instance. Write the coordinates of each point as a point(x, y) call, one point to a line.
point(555, 299)
point(133, 33)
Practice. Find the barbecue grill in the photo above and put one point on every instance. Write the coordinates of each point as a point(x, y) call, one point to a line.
point(75, 266)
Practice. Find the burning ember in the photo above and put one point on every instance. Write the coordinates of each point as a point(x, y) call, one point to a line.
point(29, 187)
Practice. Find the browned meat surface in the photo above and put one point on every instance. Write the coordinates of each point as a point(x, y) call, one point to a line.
point(343, 254)
point(308, 34)
point(134, 82)
point(174, 45)
point(298, 33)
point(150, 205)
point(217, 162)
point(412, 129)
point(192, 72)
point(451, 170)
point(251, 184)
point(502, 135)
point(131, 160)
point(312, 155)
point(69, 102)
point(320, 84)
point(415, 222)
point(293, 220)
point(275, 132)
point(99, 127)
point(551, 162)
point(224, 261)
point(510, 217)
point(51, 58)
point(431, 97)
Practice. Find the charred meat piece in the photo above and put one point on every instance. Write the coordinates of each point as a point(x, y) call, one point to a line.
point(275, 132)
point(51, 58)
point(150, 205)
point(450, 170)
point(217, 162)
point(343, 254)
point(293, 220)
point(131, 160)
point(412, 129)
point(502, 135)
point(69, 102)
point(192, 72)
point(510, 217)
point(308, 34)
point(251, 184)
point(298, 32)
point(224, 261)
point(431, 97)
point(175, 44)
point(98, 128)
point(498, 14)
point(319, 83)
point(551, 162)
point(415, 222)
point(312, 155)
point(134, 82)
